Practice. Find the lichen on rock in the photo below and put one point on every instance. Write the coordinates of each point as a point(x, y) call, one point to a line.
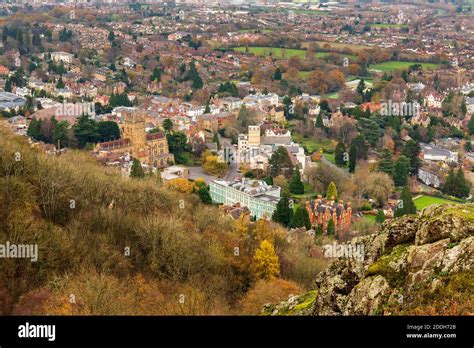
point(409, 263)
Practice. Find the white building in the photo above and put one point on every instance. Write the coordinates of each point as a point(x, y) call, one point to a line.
point(261, 101)
point(431, 152)
point(230, 103)
point(64, 57)
point(259, 197)
point(470, 105)
point(434, 101)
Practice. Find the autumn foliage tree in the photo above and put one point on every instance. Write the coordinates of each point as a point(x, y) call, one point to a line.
point(266, 262)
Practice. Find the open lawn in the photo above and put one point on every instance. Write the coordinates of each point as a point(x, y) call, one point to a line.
point(425, 201)
point(395, 65)
point(369, 217)
point(312, 144)
point(382, 25)
point(330, 157)
point(334, 95)
point(279, 53)
point(308, 192)
point(311, 12)
point(305, 74)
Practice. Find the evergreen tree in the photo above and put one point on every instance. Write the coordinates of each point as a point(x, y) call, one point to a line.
point(177, 144)
point(204, 195)
point(319, 120)
point(296, 186)
point(280, 163)
point(60, 83)
point(331, 228)
point(34, 129)
point(464, 107)
point(86, 131)
point(450, 184)
point(61, 134)
point(19, 38)
point(332, 191)
point(360, 89)
point(288, 107)
point(340, 154)
point(412, 151)
point(108, 130)
point(278, 75)
point(37, 40)
point(462, 188)
point(119, 99)
point(385, 165)
point(361, 146)
point(324, 104)
point(380, 217)
point(111, 36)
point(470, 125)
point(352, 158)
point(268, 180)
point(156, 75)
point(301, 218)
point(8, 86)
point(406, 206)
point(65, 35)
point(405, 75)
point(283, 212)
point(167, 125)
point(319, 230)
point(400, 172)
point(194, 76)
point(137, 169)
point(215, 139)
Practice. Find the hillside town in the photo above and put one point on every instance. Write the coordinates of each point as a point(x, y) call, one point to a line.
point(188, 157)
point(328, 92)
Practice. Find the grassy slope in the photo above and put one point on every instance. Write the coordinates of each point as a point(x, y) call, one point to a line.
point(425, 201)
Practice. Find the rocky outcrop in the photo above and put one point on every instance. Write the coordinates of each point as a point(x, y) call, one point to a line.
point(412, 255)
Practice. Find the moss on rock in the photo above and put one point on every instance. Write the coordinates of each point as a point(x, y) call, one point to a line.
point(389, 266)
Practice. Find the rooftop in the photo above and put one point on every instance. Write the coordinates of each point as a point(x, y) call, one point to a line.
point(250, 187)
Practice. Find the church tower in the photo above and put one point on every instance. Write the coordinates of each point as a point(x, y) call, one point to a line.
point(134, 129)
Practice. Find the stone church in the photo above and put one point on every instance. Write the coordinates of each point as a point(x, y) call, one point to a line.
point(150, 149)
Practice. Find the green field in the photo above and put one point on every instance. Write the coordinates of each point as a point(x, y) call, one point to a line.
point(278, 53)
point(305, 74)
point(369, 217)
point(311, 12)
point(308, 192)
point(425, 201)
point(330, 157)
point(312, 144)
point(334, 95)
point(382, 25)
point(395, 65)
